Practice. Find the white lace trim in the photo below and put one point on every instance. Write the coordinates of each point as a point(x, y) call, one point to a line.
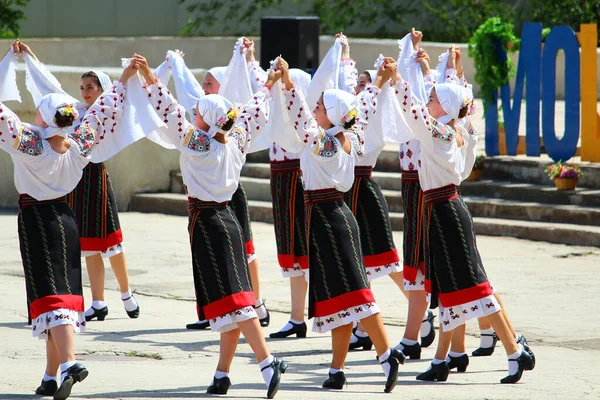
point(455, 316)
point(295, 271)
point(419, 283)
point(228, 322)
point(345, 317)
point(54, 318)
point(382, 270)
point(112, 251)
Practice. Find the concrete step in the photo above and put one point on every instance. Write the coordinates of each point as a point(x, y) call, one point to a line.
point(509, 168)
point(489, 199)
point(571, 234)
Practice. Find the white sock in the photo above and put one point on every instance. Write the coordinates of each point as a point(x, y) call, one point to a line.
point(513, 367)
point(47, 378)
point(130, 304)
point(261, 310)
point(63, 369)
point(267, 373)
point(435, 361)
point(334, 371)
point(353, 339)
point(425, 326)
point(289, 325)
point(454, 354)
point(486, 341)
point(404, 343)
point(361, 334)
point(385, 365)
point(220, 374)
point(98, 305)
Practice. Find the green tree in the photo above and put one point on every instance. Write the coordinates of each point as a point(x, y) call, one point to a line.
point(335, 15)
point(10, 14)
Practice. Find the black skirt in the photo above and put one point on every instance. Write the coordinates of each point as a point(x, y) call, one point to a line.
point(51, 255)
point(239, 205)
point(338, 278)
point(95, 207)
point(455, 273)
point(220, 268)
point(288, 214)
point(370, 208)
point(412, 203)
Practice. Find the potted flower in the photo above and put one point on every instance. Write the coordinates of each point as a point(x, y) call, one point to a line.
point(477, 169)
point(565, 177)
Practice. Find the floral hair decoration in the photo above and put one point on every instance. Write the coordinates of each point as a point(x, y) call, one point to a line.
point(350, 115)
point(232, 114)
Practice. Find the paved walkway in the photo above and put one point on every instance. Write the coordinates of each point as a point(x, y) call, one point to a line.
point(550, 291)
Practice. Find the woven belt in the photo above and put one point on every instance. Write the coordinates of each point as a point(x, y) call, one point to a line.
point(444, 193)
point(322, 196)
point(285, 166)
point(363, 171)
point(195, 204)
point(410, 176)
point(26, 200)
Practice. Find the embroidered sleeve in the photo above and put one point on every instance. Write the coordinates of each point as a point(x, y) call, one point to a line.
point(452, 77)
point(172, 113)
point(84, 139)
point(325, 146)
point(429, 81)
point(258, 76)
point(15, 138)
point(104, 115)
point(348, 77)
point(425, 128)
point(253, 118)
point(471, 143)
point(196, 140)
point(302, 129)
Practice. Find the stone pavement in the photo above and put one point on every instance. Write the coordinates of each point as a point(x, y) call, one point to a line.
point(550, 291)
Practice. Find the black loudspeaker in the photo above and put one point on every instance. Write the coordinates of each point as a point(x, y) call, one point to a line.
point(296, 39)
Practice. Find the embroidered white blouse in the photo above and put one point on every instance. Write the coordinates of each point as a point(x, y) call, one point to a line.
point(43, 173)
point(210, 170)
point(443, 162)
point(323, 161)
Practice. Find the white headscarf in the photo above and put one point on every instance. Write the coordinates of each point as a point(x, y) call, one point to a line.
point(214, 108)
point(105, 81)
point(452, 98)
point(301, 79)
point(341, 107)
point(48, 106)
point(372, 74)
point(218, 73)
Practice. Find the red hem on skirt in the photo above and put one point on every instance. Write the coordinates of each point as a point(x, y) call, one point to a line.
point(377, 260)
point(410, 273)
point(466, 295)
point(427, 285)
point(54, 302)
point(101, 244)
point(288, 261)
point(249, 247)
point(229, 304)
point(344, 301)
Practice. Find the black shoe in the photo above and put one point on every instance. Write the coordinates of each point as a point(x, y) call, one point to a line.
point(264, 322)
point(438, 372)
point(364, 342)
point(486, 351)
point(521, 340)
point(47, 388)
point(99, 313)
point(75, 373)
point(460, 363)
point(219, 386)
point(411, 351)
point(525, 363)
point(395, 359)
point(335, 381)
point(135, 313)
point(198, 325)
point(427, 340)
point(298, 329)
point(279, 367)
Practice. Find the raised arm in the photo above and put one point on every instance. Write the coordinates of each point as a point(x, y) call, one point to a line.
point(348, 75)
point(252, 121)
point(15, 138)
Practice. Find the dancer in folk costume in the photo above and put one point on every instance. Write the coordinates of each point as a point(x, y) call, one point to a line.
point(93, 201)
point(189, 91)
point(48, 236)
point(213, 151)
point(455, 276)
point(329, 144)
point(287, 197)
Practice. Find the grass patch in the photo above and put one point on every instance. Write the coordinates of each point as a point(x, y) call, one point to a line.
point(154, 356)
